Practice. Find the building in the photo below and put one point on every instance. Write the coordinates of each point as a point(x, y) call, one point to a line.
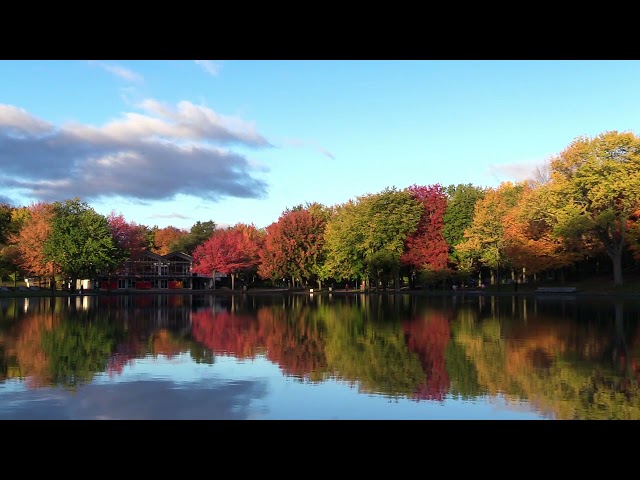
point(149, 270)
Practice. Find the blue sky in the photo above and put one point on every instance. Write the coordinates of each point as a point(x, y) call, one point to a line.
point(172, 142)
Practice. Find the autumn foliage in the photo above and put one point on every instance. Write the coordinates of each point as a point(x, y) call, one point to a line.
point(429, 337)
point(129, 236)
point(226, 333)
point(426, 247)
point(529, 239)
point(166, 239)
point(293, 246)
point(31, 239)
point(228, 251)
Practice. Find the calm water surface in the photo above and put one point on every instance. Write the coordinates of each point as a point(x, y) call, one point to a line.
point(319, 357)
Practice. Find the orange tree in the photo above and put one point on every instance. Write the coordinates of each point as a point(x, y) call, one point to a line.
point(294, 246)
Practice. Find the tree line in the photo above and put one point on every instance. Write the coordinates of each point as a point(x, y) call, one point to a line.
point(579, 212)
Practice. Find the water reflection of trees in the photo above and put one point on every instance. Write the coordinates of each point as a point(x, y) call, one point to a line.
point(66, 343)
point(569, 359)
point(356, 340)
point(429, 337)
point(565, 358)
point(288, 337)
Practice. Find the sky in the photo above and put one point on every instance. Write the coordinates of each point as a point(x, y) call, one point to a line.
point(173, 142)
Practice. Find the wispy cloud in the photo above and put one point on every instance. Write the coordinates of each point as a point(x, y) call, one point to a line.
point(326, 152)
point(120, 71)
point(516, 172)
point(154, 155)
point(209, 66)
point(170, 215)
point(297, 142)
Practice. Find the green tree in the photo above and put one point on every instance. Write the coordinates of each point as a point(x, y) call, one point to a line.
point(595, 189)
point(6, 258)
point(5, 222)
point(343, 238)
point(80, 241)
point(461, 202)
point(366, 238)
point(77, 350)
point(199, 233)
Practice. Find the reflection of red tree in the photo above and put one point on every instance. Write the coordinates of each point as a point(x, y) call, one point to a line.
point(117, 363)
point(296, 346)
point(224, 332)
point(428, 337)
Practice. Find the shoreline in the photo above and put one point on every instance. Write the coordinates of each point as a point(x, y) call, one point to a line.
point(45, 293)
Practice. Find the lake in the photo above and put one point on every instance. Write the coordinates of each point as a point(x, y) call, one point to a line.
point(319, 356)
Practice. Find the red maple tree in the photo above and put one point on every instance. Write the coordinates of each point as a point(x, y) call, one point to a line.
point(426, 247)
point(228, 251)
point(293, 246)
point(129, 236)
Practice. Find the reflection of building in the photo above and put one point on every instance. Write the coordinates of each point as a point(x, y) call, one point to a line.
point(150, 270)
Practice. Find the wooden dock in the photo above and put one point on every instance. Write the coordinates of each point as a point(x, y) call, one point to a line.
point(555, 290)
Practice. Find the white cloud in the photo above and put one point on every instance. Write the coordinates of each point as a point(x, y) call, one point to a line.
point(516, 172)
point(120, 71)
point(141, 156)
point(209, 66)
point(19, 121)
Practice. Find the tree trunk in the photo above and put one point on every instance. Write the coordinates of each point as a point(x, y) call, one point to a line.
point(617, 266)
point(213, 274)
point(233, 281)
point(397, 281)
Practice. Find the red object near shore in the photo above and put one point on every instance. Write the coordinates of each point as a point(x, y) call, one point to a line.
point(109, 285)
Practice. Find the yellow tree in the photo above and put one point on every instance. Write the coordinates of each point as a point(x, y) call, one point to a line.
point(595, 190)
point(485, 239)
point(529, 240)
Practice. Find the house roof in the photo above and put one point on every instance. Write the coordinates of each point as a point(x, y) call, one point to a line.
point(181, 255)
point(149, 254)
